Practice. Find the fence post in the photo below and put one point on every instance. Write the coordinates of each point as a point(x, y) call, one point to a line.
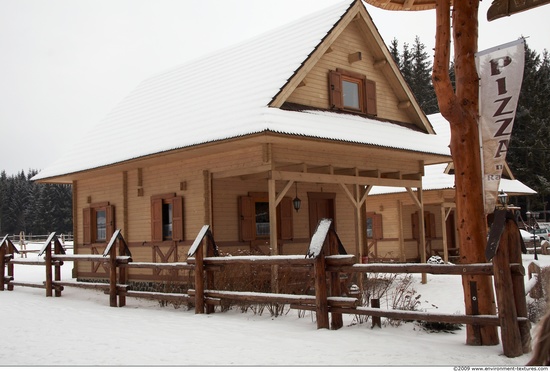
point(321, 301)
point(2, 265)
point(57, 250)
point(519, 289)
point(112, 278)
point(49, 284)
point(211, 251)
point(122, 272)
point(336, 321)
point(11, 250)
point(510, 333)
point(199, 280)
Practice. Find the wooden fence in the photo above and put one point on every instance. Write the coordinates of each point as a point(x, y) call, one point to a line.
point(322, 259)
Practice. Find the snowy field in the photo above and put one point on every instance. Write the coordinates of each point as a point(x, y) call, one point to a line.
point(80, 329)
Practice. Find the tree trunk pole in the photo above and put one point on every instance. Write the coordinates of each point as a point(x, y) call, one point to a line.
point(461, 109)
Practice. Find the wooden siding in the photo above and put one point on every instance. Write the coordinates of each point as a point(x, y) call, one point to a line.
point(315, 92)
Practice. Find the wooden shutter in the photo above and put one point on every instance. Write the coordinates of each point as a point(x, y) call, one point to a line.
point(87, 225)
point(109, 221)
point(177, 218)
point(430, 225)
point(285, 219)
point(415, 223)
point(156, 220)
point(370, 97)
point(335, 90)
point(377, 231)
point(247, 219)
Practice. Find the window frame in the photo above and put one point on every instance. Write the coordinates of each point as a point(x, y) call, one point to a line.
point(366, 92)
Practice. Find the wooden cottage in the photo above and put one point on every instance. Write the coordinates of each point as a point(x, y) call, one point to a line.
point(393, 213)
point(316, 110)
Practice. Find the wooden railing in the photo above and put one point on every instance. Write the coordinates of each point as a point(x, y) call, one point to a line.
point(322, 260)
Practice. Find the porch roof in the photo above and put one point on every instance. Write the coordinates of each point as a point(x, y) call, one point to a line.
point(435, 177)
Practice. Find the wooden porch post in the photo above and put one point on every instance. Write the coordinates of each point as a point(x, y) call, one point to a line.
point(443, 218)
point(422, 233)
point(401, 233)
point(272, 216)
point(273, 243)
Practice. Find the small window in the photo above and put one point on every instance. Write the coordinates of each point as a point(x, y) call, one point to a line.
point(167, 220)
point(166, 217)
point(98, 223)
point(352, 92)
point(374, 226)
point(254, 218)
point(101, 225)
point(262, 218)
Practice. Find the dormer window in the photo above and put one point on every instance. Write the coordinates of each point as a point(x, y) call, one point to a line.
point(350, 91)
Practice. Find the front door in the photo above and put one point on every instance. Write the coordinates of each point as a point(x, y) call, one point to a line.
point(321, 205)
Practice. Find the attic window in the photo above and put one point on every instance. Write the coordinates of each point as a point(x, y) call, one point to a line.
point(350, 91)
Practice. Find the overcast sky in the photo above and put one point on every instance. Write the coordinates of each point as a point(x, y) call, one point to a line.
point(64, 64)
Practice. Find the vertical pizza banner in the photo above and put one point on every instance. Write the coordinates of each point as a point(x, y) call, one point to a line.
point(500, 71)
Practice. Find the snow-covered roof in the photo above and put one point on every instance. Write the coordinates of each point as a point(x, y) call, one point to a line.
point(227, 95)
point(435, 177)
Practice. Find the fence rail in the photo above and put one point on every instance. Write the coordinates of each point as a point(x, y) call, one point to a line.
point(322, 260)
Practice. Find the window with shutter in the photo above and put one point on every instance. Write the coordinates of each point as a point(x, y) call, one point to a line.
point(98, 223)
point(429, 225)
point(166, 217)
point(374, 226)
point(254, 218)
point(351, 91)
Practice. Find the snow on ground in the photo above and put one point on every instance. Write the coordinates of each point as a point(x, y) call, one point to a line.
point(80, 329)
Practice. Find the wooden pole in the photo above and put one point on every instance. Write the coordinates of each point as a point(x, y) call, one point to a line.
point(11, 251)
point(335, 286)
point(321, 301)
point(210, 249)
point(518, 285)
point(2, 265)
point(510, 333)
point(199, 280)
point(460, 108)
point(49, 271)
point(57, 268)
point(122, 272)
point(112, 278)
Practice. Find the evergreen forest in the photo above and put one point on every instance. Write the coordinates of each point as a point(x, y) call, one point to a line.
point(39, 209)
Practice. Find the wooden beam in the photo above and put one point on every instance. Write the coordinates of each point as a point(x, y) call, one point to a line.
point(396, 175)
point(404, 105)
point(241, 171)
point(354, 57)
point(283, 192)
point(380, 63)
point(336, 179)
point(413, 197)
